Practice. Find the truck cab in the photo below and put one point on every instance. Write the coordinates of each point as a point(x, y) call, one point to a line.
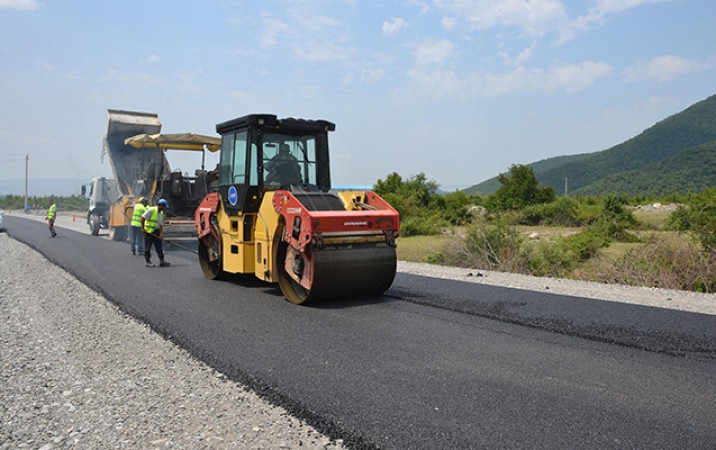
point(102, 194)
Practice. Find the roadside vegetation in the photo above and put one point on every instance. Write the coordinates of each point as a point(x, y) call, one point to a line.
point(524, 227)
point(16, 203)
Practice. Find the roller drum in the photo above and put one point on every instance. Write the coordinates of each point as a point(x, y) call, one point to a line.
point(345, 272)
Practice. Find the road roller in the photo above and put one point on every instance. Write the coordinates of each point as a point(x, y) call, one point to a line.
point(272, 213)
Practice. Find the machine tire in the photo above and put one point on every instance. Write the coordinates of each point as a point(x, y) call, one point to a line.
point(94, 224)
point(118, 234)
point(213, 270)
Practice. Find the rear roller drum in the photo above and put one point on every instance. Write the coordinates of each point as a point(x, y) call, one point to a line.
point(210, 254)
point(291, 289)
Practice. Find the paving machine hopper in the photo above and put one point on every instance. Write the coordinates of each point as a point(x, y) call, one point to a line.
point(274, 215)
point(183, 191)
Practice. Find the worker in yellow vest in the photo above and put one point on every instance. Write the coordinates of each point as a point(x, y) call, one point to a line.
point(153, 226)
point(51, 214)
point(136, 237)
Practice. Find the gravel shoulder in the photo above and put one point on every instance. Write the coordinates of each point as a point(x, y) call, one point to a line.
point(75, 372)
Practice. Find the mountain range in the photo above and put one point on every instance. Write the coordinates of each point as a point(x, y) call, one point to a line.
point(675, 155)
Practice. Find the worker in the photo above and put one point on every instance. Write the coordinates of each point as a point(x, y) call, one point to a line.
point(283, 169)
point(136, 237)
point(153, 226)
point(51, 214)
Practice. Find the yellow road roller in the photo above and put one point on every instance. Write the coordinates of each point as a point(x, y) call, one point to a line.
point(272, 213)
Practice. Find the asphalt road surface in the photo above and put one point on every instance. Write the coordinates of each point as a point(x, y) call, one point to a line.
point(431, 364)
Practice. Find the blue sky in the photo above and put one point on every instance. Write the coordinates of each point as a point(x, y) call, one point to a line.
point(456, 89)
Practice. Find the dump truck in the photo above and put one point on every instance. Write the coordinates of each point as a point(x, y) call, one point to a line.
point(102, 194)
point(274, 215)
point(137, 154)
point(132, 168)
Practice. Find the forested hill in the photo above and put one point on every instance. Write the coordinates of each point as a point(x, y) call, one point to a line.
point(688, 129)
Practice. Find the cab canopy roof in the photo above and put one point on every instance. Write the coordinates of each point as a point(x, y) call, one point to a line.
point(269, 121)
point(181, 141)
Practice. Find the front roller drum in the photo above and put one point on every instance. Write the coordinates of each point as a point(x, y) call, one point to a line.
point(338, 272)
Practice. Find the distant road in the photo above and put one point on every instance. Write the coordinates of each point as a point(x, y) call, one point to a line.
point(433, 364)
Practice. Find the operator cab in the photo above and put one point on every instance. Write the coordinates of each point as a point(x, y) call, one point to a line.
point(261, 153)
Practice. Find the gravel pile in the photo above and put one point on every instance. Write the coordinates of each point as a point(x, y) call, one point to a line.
point(75, 372)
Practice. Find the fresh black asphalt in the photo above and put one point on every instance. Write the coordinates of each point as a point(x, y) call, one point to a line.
point(432, 364)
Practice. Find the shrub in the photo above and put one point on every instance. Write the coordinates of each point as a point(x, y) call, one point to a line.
point(561, 212)
point(490, 247)
point(559, 258)
point(613, 221)
point(698, 218)
point(422, 225)
point(663, 265)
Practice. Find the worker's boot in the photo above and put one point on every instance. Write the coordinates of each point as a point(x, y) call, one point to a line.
point(163, 263)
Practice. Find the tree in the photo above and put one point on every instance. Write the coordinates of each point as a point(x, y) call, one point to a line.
point(519, 189)
point(699, 218)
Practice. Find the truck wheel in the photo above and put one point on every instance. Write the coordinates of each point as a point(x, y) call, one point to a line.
point(94, 224)
point(118, 234)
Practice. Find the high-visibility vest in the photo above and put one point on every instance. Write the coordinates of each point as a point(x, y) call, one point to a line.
point(51, 212)
point(137, 215)
point(152, 224)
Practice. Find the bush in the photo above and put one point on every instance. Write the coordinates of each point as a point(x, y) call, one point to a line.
point(556, 259)
point(561, 212)
point(550, 259)
point(422, 225)
point(489, 247)
point(698, 218)
point(662, 265)
point(453, 207)
point(614, 221)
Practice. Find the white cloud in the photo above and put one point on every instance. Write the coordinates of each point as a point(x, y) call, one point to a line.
point(44, 64)
point(307, 50)
point(562, 78)
point(273, 31)
point(448, 22)
point(26, 5)
point(599, 13)
point(347, 79)
point(152, 59)
point(393, 27)
point(433, 51)
point(667, 68)
point(532, 17)
point(422, 5)
point(518, 60)
point(606, 7)
point(311, 37)
point(535, 18)
point(370, 76)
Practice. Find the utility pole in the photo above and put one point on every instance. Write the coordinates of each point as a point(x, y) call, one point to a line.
point(566, 188)
point(27, 161)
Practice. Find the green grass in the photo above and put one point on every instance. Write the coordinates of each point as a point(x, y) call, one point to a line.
point(417, 248)
point(655, 220)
